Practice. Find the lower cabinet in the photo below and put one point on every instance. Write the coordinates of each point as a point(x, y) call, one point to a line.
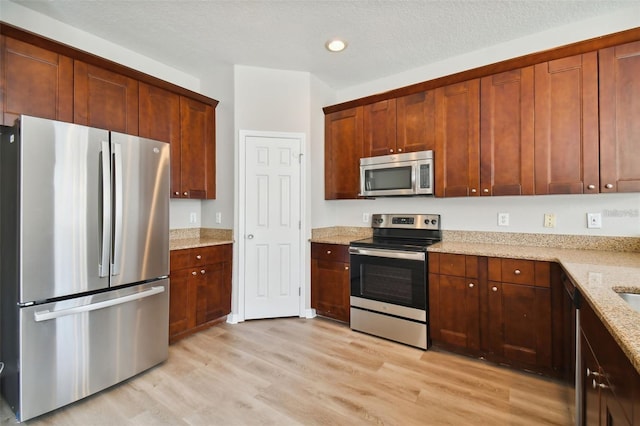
point(200, 289)
point(330, 290)
point(500, 309)
point(610, 384)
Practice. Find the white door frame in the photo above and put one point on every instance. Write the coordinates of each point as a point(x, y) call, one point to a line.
point(238, 311)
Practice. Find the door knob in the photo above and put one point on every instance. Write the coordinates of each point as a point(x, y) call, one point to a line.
point(250, 237)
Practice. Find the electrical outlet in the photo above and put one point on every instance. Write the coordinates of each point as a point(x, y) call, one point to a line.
point(218, 217)
point(503, 219)
point(549, 220)
point(365, 217)
point(594, 220)
point(193, 218)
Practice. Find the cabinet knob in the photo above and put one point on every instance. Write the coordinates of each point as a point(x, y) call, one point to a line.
point(328, 251)
point(608, 186)
point(194, 273)
point(486, 190)
point(471, 285)
point(602, 385)
point(202, 271)
point(591, 186)
point(198, 257)
point(399, 149)
point(391, 150)
point(517, 272)
point(473, 190)
point(494, 288)
point(591, 373)
point(346, 268)
point(185, 193)
point(176, 193)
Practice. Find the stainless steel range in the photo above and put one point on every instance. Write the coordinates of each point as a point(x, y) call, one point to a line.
point(389, 274)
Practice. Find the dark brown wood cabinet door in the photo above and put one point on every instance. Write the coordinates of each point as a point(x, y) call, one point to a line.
point(212, 292)
point(566, 126)
point(619, 72)
point(506, 138)
point(180, 311)
point(104, 99)
point(591, 403)
point(159, 118)
point(34, 81)
point(379, 123)
point(342, 152)
point(520, 323)
point(457, 154)
point(454, 311)
point(330, 289)
point(197, 165)
point(416, 120)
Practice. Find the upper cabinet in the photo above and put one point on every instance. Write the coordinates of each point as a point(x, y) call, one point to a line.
point(566, 126)
point(457, 137)
point(506, 133)
point(34, 81)
point(104, 99)
point(43, 78)
point(404, 124)
point(188, 126)
point(342, 153)
point(619, 124)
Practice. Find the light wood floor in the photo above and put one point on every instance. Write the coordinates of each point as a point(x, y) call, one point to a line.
point(315, 372)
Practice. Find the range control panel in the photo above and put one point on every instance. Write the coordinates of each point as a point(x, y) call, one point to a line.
point(407, 221)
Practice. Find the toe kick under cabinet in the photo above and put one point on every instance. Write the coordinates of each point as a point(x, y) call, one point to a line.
point(200, 289)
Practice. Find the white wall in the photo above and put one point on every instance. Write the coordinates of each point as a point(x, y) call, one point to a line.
point(620, 211)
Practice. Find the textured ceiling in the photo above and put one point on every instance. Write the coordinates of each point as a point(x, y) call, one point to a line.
point(385, 37)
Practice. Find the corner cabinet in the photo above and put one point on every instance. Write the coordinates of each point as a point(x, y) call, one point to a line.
point(342, 152)
point(189, 127)
point(330, 291)
point(610, 384)
point(200, 289)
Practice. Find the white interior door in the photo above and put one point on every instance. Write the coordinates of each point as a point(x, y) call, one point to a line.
point(272, 214)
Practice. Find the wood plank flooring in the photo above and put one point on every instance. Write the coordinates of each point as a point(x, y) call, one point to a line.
point(315, 372)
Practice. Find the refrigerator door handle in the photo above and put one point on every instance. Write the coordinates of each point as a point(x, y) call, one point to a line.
point(49, 315)
point(118, 199)
point(105, 238)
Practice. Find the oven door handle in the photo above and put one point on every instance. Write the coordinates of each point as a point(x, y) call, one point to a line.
point(393, 254)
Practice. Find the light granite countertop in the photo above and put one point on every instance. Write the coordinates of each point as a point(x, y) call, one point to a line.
point(198, 237)
point(611, 264)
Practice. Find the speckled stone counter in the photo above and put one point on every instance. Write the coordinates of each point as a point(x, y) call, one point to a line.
point(198, 237)
point(340, 234)
point(596, 273)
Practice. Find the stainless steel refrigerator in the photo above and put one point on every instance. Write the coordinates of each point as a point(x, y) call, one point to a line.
point(84, 288)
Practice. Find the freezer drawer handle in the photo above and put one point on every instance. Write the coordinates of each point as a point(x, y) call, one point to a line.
point(48, 315)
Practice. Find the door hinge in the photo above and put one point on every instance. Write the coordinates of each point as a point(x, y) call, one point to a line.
point(299, 291)
point(299, 224)
point(300, 158)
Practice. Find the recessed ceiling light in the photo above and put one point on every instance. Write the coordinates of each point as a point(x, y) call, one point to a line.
point(335, 45)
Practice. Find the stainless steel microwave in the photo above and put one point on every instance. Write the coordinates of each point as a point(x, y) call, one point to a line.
point(410, 173)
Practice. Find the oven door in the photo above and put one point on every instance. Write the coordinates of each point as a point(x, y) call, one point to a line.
point(392, 276)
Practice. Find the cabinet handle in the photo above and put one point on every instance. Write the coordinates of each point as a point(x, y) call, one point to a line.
point(517, 272)
point(202, 271)
point(328, 251)
point(185, 193)
point(470, 285)
point(194, 273)
point(198, 257)
point(608, 186)
point(473, 190)
point(486, 190)
point(494, 288)
point(591, 186)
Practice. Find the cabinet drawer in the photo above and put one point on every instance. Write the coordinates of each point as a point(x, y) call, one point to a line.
point(180, 259)
point(331, 252)
point(518, 271)
point(457, 265)
point(200, 256)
